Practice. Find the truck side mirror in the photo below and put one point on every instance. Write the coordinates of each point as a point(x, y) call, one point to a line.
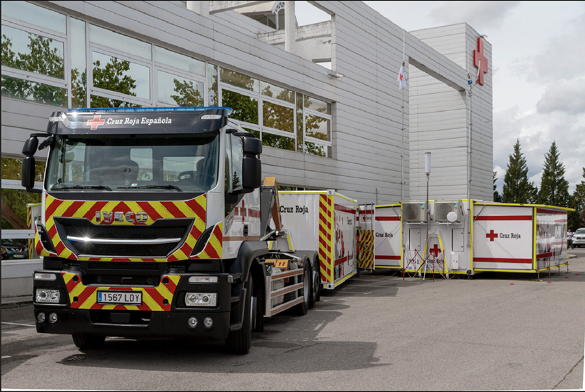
point(30, 146)
point(251, 165)
point(28, 172)
point(252, 146)
point(251, 173)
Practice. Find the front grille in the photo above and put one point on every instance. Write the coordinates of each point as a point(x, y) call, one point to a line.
point(106, 273)
point(161, 229)
point(124, 250)
point(123, 280)
point(127, 232)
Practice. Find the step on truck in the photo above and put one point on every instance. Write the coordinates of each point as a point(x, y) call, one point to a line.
point(155, 223)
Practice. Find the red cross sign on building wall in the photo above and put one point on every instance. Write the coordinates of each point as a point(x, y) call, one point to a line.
point(480, 61)
point(95, 122)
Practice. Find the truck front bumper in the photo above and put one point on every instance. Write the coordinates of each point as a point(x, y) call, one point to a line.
point(175, 320)
point(160, 324)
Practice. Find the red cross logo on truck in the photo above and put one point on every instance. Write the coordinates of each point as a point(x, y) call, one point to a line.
point(480, 61)
point(435, 251)
point(491, 235)
point(95, 122)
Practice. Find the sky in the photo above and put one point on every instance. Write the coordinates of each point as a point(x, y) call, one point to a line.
point(538, 64)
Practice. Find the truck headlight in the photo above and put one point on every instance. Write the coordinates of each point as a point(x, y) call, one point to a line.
point(201, 299)
point(48, 296)
point(45, 276)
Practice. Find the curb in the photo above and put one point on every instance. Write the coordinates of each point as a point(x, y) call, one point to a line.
point(16, 302)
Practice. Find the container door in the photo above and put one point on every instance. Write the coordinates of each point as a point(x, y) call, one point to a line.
point(387, 241)
point(345, 244)
point(366, 237)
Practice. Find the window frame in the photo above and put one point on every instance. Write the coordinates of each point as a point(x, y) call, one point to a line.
point(103, 50)
point(181, 73)
point(37, 77)
point(310, 112)
point(260, 127)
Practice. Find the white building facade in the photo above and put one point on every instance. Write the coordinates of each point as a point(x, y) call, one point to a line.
point(347, 128)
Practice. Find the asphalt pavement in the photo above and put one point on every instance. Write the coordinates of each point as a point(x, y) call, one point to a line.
point(376, 331)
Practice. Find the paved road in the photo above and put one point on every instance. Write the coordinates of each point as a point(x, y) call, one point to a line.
point(376, 332)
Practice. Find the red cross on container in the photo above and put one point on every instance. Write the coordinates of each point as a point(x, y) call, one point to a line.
point(480, 61)
point(95, 122)
point(435, 251)
point(491, 235)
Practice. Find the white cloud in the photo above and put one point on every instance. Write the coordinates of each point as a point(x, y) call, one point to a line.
point(536, 179)
point(480, 15)
point(564, 96)
point(500, 174)
point(562, 56)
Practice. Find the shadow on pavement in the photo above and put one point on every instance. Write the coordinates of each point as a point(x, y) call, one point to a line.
point(281, 349)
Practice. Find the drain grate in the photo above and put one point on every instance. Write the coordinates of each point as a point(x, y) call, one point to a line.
point(74, 358)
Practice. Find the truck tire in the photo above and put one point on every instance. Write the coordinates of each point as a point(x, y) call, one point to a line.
point(302, 308)
point(239, 342)
point(85, 341)
point(317, 284)
point(314, 287)
point(259, 314)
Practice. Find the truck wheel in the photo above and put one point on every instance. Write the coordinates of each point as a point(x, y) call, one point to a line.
point(302, 308)
point(316, 289)
point(239, 342)
point(259, 312)
point(317, 284)
point(85, 341)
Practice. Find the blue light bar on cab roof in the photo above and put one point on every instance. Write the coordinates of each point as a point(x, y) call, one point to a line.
point(157, 109)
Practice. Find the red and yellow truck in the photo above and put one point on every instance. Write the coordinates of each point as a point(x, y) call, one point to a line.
point(155, 223)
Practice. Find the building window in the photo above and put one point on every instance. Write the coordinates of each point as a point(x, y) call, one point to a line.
point(317, 126)
point(121, 76)
point(33, 54)
point(35, 16)
point(244, 108)
point(177, 90)
point(120, 43)
point(278, 116)
point(239, 80)
point(180, 79)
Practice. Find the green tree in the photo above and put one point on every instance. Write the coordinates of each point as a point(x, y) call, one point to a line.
point(497, 197)
point(576, 219)
point(235, 180)
point(517, 188)
point(12, 169)
point(17, 199)
point(187, 94)
point(78, 88)
point(243, 107)
point(554, 189)
point(41, 58)
point(113, 77)
point(312, 124)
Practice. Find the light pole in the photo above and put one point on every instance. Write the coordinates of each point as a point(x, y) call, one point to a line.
point(428, 173)
point(428, 208)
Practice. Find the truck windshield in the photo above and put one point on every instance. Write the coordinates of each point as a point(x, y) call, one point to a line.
point(131, 163)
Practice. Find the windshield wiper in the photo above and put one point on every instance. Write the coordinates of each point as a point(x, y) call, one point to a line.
point(152, 187)
point(82, 187)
